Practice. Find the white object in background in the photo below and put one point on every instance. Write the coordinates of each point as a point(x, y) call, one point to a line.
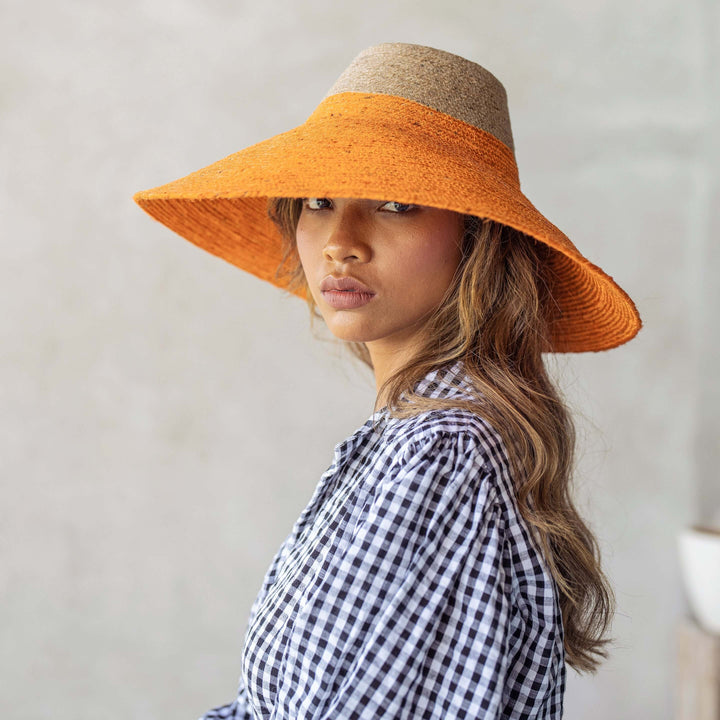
point(700, 559)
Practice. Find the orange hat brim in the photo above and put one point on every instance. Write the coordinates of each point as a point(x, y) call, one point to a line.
point(385, 147)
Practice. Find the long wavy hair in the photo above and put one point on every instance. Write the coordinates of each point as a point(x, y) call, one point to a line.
point(496, 317)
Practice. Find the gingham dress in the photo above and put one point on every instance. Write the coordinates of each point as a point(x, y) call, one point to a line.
point(409, 588)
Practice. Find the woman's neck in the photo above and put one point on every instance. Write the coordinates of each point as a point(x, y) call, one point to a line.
point(387, 359)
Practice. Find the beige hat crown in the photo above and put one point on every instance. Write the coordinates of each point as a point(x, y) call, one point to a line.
point(434, 78)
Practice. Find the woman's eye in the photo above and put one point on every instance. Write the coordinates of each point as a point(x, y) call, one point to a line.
point(397, 207)
point(316, 203)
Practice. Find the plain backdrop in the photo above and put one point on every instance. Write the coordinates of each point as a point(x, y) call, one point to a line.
point(165, 416)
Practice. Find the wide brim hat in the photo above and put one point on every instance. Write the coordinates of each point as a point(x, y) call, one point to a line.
point(406, 123)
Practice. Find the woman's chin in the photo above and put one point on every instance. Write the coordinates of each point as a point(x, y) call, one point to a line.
point(349, 331)
point(349, 335)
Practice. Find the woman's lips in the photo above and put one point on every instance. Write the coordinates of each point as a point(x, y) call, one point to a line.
point(345, 293)
point(347, 299)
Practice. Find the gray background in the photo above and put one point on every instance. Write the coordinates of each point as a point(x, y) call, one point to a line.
point(165, 417)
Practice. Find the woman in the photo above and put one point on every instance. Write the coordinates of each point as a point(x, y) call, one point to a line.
point(440, 569)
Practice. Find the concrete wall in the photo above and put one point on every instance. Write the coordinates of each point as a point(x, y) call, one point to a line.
point(166, 417)
point(707, 436)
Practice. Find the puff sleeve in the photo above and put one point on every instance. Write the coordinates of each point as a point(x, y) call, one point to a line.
point(412, 619)
point(236, 710)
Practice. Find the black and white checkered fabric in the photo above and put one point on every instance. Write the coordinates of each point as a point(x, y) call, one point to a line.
point(409, 588)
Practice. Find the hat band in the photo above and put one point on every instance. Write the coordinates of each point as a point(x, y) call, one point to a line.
point(386, 116)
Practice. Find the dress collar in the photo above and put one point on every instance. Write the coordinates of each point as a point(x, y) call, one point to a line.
point(447, 381)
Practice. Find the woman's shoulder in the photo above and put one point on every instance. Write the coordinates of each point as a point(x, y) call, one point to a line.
point(453, 419)
point(458, 430)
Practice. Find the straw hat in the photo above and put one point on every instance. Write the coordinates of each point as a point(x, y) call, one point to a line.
point(407, 123)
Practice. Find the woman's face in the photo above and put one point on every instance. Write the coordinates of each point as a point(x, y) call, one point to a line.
point(375, 268)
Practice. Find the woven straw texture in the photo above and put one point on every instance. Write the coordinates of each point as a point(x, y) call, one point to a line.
point(384, 146)
point(443, 81)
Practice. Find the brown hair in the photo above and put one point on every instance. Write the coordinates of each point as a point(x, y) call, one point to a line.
point(496, 317)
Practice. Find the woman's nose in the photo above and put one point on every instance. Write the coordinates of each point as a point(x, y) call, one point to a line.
point(347, 239)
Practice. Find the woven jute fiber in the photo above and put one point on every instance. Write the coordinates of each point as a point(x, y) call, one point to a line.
point(406, 123)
